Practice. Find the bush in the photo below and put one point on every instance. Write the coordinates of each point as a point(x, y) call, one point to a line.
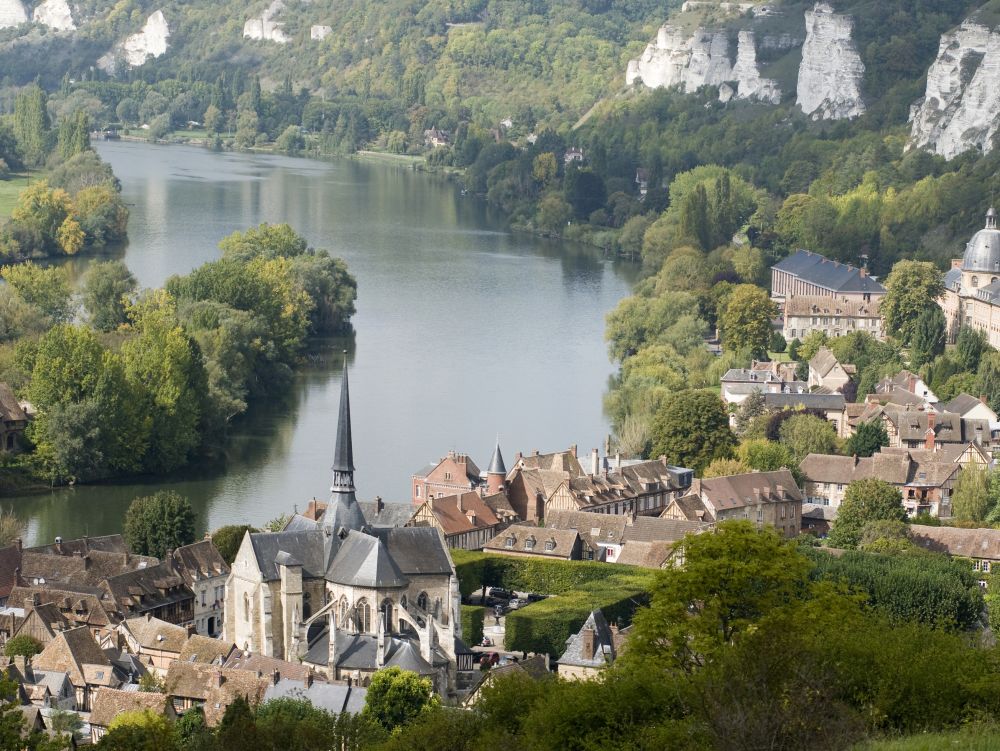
point(472, 624)
point(22, 645)
point(228, 539)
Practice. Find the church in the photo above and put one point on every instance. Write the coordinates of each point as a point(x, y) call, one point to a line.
point(344, 596)
point(972, 285)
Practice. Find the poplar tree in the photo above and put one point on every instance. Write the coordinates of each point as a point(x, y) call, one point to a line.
point(31, 125)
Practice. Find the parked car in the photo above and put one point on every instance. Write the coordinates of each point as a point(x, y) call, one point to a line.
point(487, 642)
point(514, 604)
point(532, 597)
point(501, 594)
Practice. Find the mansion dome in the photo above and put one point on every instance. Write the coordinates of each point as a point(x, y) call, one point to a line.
point(983, 251)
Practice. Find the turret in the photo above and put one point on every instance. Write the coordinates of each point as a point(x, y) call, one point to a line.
point(496, 475)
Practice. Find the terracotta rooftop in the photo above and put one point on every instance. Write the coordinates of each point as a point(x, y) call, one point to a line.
point(463, 513)
point(152, 633)
point(216, 687)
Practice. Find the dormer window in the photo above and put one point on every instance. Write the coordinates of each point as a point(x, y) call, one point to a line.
point(510, 541)
point(550, 544)
point(529, 543)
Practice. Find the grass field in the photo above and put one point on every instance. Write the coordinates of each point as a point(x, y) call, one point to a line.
point(972, 738)
point(9, 190)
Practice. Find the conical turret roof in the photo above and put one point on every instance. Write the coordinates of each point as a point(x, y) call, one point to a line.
point(497, 466)
point(343, 455)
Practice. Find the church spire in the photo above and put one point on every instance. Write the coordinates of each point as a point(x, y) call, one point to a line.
point(343, 455)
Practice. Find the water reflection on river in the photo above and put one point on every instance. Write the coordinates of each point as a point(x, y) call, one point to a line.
point(464, 330)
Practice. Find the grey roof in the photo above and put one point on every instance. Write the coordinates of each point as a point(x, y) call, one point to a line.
point(983, 251)
point(829, 274)
point(655, 529)
point(604, 644)
point(306, 546)
point(286, 559)
point(808, 401)
point(388, 515)
point(299, 523)
point(359, 652)
point(364, 561)
point(497, 466)
point(962, 404)
point(343, 455)
point(335, 698)
point(416, 550)
point(407, 657)
point(953, 279)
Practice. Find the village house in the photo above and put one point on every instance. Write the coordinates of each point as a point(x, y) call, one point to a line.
point(969, 407)
point(785, 371)
point(50, 689)
point(981, 545)
point(158, 591)
point(810, 274)
point(205, 572)
point(907, 381)
point(572, 155)
point(13, 421)
point(92, 608)
point(834, 316)
point(739, 383)
point(206, 650)
point(767, 498)
point(535, 668)
point(645, 541)
point(914, 428)
point(826, 372)
point(435, 138)
point(336, 698)
point(212, 688)
point(601, 535)
point(831, 407)
point(972, 286)
point(264, 665)
point(42, 621)
point(534, 478)
point(343, 596)
point(537, 542)
point(467, 521)
point(76, 653)
point(924, 478)
point(156, 643)
point(589, 650)
point(109, 703)
point(454, 474)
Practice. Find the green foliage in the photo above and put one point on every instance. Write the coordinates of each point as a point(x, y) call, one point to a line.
point(31, 125)
point(988, 379)
point(970, 346)
point(911, 288)
point(473, 618)
point(692, 429)
point(927, 341)
point(868, 438)
point(745, 320)
point(395, 697)
point(22, 645)
point(969, 499)
point(865, 501)
point(927, 589)
point(807, 434)
point(107, 287)
point(227, 540)
point(45, 288)
point(157, 523)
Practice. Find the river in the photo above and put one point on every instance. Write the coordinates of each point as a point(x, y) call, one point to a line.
point(464, 331)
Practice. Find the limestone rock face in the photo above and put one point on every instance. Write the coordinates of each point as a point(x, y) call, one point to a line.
point(829, 85)
point(12, 13)
point(702, 59)
point(318, 33)
point(55, 14)
point(960, 109)
point(265, 28)
point(139, 47)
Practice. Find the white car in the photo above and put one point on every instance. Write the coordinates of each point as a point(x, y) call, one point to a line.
point(515, 603)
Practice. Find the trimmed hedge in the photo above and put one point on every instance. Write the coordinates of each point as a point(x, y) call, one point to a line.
point(930, 589)
point(476, 569)
point(472, 624)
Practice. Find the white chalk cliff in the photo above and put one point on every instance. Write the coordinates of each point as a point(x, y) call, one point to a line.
point(137, 48)
point(829, 85)
point(12, 13)
point(265, 27)
point(55, 14)
point(320, 32)
point(676, 58)
point(960, 109)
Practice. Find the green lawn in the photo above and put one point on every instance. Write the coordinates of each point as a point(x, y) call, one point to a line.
point(973, 738)
point(9, 190)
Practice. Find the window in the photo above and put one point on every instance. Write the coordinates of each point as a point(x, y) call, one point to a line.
point(551, 545)
point(422, 601)
point(343, 612)
point(529, 543)
point(975, 281)
point(204, 596)
point(986, 566)
point(364, 616)
point(416, 491)
point(447, 475)
point(246, 606)
point(510, 541)
point(387, 612)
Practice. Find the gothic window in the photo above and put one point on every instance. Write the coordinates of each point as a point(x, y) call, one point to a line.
point(422, 601)
point(344, 622)
point(246, 606)
point(363, 613)
point(387, 612)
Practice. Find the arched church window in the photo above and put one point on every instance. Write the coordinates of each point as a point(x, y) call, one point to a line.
point(364, 616)
point(343, 613)
point(975, 281)
point(387, 613)
point(246, 606)
point(422, 601)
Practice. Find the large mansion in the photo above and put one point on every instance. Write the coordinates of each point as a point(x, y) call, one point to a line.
point(972, 285)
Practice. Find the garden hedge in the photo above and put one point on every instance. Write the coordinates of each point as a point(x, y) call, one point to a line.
point(472, 624)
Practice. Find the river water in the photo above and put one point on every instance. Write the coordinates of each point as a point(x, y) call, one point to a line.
point(464, 331)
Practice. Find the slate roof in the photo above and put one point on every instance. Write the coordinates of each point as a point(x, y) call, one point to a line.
point(306, 546)
point(216, 687)
point(72, 652)
point(200, 560)
point(108, 703)
point(203, 649)
point(10, 410)
point(296, 671)
point(153, 633)
point(359, 652)
point(653, 529)
point(948, 426)
point(497, 467)
point(335, 698)
point(823, 362)
point(385, 515)
point(749, 489)
point(953, 279)
point(967, 543)
point(148, 588)
point(896, 468)
point(416, 550)
point(829, 274)
point(825, 402)
point(564, 542)
point(604, 644)
point(364, 561)
point(962, 404)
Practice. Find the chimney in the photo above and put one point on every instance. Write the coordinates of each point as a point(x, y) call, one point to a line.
point(309, 678)
point(31, 600)
point(911, 383)
point(458, 502)
point(218, 678)
point(379, 505)
point(595, 463)
point(929, 435)
point(572, 449)
point(534, 452)
point(471, 516)
point(149, 616)
point(86, 563)
point(275, 676)
point(588, 643)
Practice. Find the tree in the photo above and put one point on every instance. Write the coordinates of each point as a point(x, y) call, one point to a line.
point(724, 468)
point(970, 346)
point(807, 434)
point(969, 500)
point(292, 142)
point(396, 697)
point(553, 214)
point(22, 645)
point(988, 379)
point(868, 438)
point(584, 191)
point(228, 539)
point(11, 527)
point(692, 429)
point(911, 288)
point(152, 683)
point(106, 288)
point(213, 119)
point(157, 523)
point(927, 341)
point(31, 125)
point(45, 288)
point(749, 409)
point(139, 731)
point(74, 134)
point(778, 343)
point(745, 320)
point(766, 456)
point(809, 346)
point(865, 501)
point(730, 580)
point(48, 213)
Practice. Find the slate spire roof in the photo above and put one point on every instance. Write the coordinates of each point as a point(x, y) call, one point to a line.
point(343, 514)
point(343, 456)
point(496, 464)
